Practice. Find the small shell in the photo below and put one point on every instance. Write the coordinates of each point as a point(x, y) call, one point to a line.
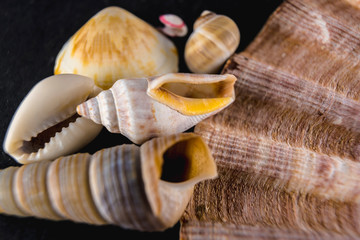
point(214, 40)
point(116, 44)
point(45, 125)
point(176, 102)
point(174, 25)
point(145, 188)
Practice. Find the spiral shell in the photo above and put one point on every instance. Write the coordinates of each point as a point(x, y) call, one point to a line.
point(45, 125)
point(145, 188)
point(116, 44)
point(214, 40)
point(172, 103)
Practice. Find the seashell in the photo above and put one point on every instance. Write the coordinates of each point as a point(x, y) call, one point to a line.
point(174, 26)
point(116, 44)
point(145, 188)
point(214, 39)
point(45, 125)
point(287, 149)
point(176, 102)
point(7, 201)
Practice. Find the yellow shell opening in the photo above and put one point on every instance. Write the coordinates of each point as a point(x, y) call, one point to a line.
point(195, 97)
point(184, 160)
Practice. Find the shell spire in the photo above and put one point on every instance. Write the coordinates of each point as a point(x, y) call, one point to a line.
point(172, 103)
point(145, 188)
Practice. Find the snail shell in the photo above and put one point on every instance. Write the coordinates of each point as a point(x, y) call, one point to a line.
point(145, 188)
point(45, 125)
point(116, 44)
point(214, 40)
point(172, 103)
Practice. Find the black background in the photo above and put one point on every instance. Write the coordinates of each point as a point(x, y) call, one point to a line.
point(31, 35)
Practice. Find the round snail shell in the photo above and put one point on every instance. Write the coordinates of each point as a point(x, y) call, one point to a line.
point(141, 109)
point(214, 39)
point(145, 188)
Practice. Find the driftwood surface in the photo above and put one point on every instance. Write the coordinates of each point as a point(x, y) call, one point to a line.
point(288, 149)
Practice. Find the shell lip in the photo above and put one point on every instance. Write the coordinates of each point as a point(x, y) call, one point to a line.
point(215, 92)
point(161, 191)
point(172, 21)
point(24, 156)
point(203, 175)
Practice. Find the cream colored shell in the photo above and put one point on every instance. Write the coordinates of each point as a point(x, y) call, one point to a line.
point(171, 104)
point(116, 44)
point(145, 188)
point(214, 39)
point(34, 132)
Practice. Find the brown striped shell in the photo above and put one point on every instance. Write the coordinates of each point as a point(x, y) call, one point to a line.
point(287, 149)
point(145, 188)
point(214, 39)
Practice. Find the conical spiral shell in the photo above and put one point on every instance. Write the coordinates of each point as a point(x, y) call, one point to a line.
point(116, 44)
point(214, 40)
point(145, 188)
point(172, 103)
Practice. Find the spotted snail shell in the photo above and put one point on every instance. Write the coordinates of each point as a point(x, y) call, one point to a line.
point(214, 39)
point(46, 126)
point(116, 44)
point(145, 188)
point(172, 103)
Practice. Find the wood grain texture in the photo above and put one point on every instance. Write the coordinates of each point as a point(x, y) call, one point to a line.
point(288, 148)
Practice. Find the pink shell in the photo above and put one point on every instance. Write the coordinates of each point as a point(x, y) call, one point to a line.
point(174, 25)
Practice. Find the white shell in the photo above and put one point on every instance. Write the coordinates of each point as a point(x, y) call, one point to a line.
point(116, 44)
point(127, 109)
point(50, 102)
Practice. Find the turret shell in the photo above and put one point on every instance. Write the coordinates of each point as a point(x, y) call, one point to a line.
point(145, 188)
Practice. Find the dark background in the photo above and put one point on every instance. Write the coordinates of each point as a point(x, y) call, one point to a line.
point(31, 35)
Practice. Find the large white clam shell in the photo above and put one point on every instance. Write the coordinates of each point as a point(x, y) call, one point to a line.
point(116, 44)
point(51, 101)
point(172, 103)
point(145, 188)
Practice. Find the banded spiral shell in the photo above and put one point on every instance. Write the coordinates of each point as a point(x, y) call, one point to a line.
point(116, 44)
point(145, 188)
point(214, 39)
point(172, 103)
point(45, 125)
